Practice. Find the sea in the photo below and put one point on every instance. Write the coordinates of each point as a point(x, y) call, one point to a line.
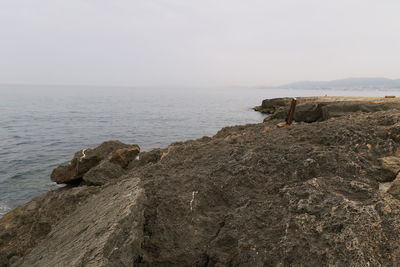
point(42, 126)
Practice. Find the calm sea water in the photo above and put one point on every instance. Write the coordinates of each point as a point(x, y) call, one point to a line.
point(42, 126)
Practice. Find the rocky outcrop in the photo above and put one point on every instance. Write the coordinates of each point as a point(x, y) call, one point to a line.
point(312, 109)
point(273, 105)
point(106, 230)
point(26, 226)
point(96, 166)
point(255, 195)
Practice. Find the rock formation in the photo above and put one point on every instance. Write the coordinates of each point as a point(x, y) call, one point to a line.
point(96, 166)
point(312, 109)
point(309, 194)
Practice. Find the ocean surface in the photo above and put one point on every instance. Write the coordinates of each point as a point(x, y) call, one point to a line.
point(42, 127)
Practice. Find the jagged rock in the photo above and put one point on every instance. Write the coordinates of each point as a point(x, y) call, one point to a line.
point(103, 173)
point(298, 195)
point(383, 175)
point(394, 188)
point(145, 158)
point(105, 230)
point(272, 105)
point(308, 112)
point(124, 156)
point(24, 227)
point(392, 167)
point(112, 167)
point(83, 161)
point(253, 195)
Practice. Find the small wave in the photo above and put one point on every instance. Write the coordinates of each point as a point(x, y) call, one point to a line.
point(27, 142)
point(4, 209)
point(16, 176)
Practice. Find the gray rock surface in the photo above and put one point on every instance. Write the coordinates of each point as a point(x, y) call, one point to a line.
point(103, 173)
point(107, 230)
point(312, 109)
point(254, 195)
point(83, 161)
point(85, 164)
point(26, 226)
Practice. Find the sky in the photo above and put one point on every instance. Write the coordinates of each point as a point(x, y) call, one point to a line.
point(197, 43)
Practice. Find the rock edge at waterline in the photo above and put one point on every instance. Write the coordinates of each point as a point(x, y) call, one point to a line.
point(309, 194)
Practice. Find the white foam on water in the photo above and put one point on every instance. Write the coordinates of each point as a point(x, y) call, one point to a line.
point(4, 209)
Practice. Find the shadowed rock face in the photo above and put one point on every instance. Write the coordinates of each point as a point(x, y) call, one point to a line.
point(26, 226)
point(102, 173)
point(106, 230)
point(254, 195)
point(96, 166)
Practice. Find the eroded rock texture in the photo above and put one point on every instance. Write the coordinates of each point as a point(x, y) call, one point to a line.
point(107, 230)
point(96, 166)
point(253, 195)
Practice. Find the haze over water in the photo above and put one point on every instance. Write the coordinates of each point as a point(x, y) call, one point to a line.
point(42, 126)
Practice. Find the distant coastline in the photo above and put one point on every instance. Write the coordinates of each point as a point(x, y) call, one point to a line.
point(347, 83)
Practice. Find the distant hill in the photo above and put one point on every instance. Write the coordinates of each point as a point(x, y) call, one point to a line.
point(346, 83)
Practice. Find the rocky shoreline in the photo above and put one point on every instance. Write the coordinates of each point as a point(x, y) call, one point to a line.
point(324, 191)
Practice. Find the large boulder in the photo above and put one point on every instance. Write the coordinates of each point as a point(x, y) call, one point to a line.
point(83, 161)
point(308, 112)
point(113, 167)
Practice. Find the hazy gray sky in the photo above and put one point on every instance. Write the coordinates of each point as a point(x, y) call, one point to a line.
point(197, 43)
